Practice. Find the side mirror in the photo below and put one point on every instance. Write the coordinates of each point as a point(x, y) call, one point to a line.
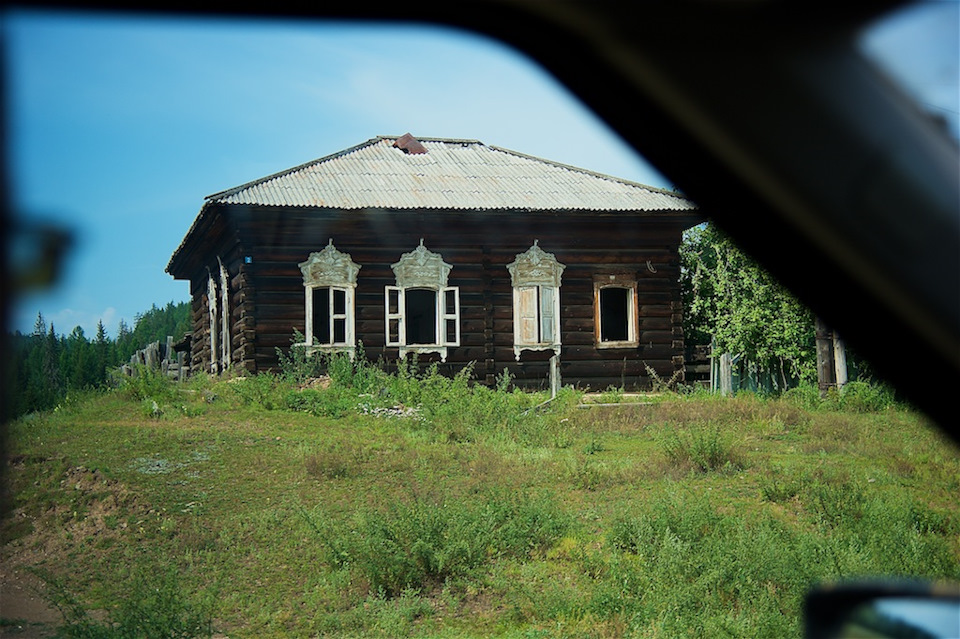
point(901, 610)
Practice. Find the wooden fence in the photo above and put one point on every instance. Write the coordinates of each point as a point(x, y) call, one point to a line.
point(168, 357)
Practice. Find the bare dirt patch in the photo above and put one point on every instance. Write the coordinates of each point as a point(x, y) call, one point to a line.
point(82, 510)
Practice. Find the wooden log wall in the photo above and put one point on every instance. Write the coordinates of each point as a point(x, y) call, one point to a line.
point(263, 247)
point(270, 295)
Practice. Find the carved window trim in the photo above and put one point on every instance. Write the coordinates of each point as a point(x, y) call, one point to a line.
point(535, 276)
point(327, 272)
point(214, 333)
point(626, 282)
point(225, 332)
point(422, 269)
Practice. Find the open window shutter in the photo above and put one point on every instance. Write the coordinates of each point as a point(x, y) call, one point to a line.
point(338, 316)
point(450, 316)
point(548, 315)
point(525, 307)
point(393, 302)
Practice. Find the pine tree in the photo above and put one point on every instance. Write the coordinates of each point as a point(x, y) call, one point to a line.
point(102, 349)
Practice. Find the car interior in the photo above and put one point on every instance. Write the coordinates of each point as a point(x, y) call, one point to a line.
point(772, 119)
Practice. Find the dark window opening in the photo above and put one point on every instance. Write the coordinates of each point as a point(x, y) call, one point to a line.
point(614, 314)
point(420, 314)
point(321, 316)
point(339, 302)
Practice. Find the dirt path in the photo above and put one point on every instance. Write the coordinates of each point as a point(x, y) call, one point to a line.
point(24, 611)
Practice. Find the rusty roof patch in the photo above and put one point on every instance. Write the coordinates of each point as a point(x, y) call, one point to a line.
point(409, 144)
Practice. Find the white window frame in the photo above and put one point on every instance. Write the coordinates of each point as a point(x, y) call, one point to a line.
point(421, 269)
point(628, 283)
point(534, 273)
point(324, 272)
point(348, 315)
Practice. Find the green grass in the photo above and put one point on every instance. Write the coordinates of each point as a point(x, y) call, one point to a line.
point(416, 505)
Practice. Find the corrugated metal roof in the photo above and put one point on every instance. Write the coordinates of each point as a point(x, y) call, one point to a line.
point(452, 174)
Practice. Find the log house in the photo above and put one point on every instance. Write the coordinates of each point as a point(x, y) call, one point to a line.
point(451, 250)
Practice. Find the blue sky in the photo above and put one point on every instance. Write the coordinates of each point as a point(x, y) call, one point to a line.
point(119, 127)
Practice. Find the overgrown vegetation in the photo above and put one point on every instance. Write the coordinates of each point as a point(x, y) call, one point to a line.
point(154, 606)
point(729, 299)
point(411, 504)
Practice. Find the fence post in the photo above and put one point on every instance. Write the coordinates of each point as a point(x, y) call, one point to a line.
point(554, 376)
point(839, 361)
point(726, 374)
point(825, 364)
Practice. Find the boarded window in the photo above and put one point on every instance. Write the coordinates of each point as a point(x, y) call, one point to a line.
point(535, 315)
point(535, 275)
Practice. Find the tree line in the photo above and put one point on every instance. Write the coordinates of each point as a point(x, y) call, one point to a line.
point(45, 366)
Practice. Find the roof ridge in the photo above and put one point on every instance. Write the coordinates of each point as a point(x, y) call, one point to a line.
point(577, 169)
point(236, 189)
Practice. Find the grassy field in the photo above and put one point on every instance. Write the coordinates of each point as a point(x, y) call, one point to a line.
point(414, 505)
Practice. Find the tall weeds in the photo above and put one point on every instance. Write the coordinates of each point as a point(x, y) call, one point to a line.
point(421, 543)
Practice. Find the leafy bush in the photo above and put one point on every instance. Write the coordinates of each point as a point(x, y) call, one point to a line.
point(854, 397)
point(704, 450)
point(421, 544)
point(777, 486)
point(263, 389)
point(683, 541)
point(335, 401)
point(155, 605)
point(296, 365)
point(805, 396)
point(148, 384)
point(866, 397)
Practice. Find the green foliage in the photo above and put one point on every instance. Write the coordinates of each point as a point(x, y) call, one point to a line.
point(728, 298)
point(423, 543)
point(866, 397)
point(613, 395)
point(447, 408)
point(296, 365)
point(483, 512)
point(755, 564)
point(335, 401)
point(155, 605)
point(147, 384)
point(854, 397)
point(264, 390)
point(702, 450)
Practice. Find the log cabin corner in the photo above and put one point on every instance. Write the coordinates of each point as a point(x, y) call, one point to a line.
point(449, 249)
